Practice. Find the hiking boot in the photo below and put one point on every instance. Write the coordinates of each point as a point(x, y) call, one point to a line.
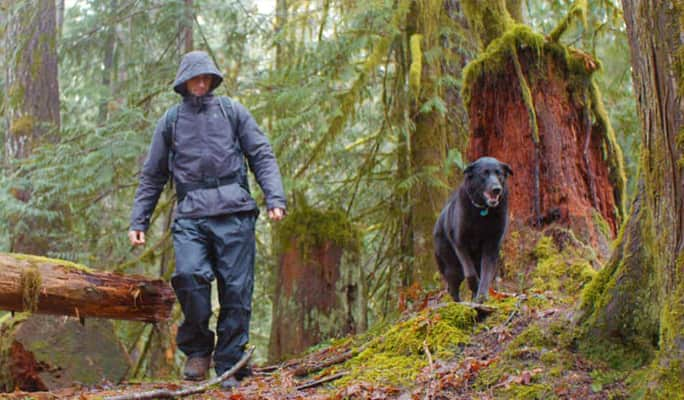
point(196, 368)
point(230, 383)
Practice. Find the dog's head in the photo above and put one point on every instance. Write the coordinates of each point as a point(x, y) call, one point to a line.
point(485, 181)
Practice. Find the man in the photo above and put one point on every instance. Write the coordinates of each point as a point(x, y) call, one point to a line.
point(202, 143)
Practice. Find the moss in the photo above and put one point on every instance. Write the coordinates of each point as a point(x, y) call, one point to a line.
point(416, 64)
point(311, 228)
point(601, 224)
point(528, 392)
point(37, 260)
point(30, 289)
point(614, 155)
point(489, 19)
point(578, 11)
point(556, 271)
point(397, 355)
point(543, 350)
point(22, 126)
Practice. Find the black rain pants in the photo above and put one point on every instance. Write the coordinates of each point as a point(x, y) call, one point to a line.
point(220, 247)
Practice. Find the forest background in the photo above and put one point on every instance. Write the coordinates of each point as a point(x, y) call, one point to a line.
point(335, 86)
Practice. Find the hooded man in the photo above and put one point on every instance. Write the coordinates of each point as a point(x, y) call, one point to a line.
point(202, 144)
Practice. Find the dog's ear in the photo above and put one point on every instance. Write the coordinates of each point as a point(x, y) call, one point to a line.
point(507, 168)
point(468, 172)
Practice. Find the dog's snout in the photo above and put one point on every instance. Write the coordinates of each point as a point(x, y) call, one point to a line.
point(496, 191)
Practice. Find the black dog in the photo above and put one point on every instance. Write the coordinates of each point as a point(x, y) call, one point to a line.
point(469, 229)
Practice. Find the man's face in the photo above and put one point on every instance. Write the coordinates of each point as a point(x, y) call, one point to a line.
point(199, 85)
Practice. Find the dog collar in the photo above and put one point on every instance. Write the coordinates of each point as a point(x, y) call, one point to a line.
point(484, 210)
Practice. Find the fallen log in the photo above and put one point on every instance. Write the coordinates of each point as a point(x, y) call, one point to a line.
point(50, 286)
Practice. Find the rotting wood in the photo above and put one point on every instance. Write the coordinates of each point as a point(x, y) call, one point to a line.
point(174, 394)
point(64, 288)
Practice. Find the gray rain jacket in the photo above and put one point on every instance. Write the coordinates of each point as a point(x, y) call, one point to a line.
point(206, 147)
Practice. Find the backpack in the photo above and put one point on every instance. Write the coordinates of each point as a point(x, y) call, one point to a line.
point(169, 133)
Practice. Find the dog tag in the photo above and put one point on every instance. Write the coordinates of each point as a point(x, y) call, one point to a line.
point(484, 212)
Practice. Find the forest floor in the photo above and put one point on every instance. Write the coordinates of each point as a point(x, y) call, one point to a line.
point(517, 346)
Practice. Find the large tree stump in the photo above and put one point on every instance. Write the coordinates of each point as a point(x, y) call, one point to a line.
point(313, 300)
point(48, 286)
point(42, 352)
point(533, 104)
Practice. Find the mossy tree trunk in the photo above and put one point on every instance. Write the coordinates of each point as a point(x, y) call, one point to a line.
point(428, 141)
point(532, 103)
point(637, 302)
point(33, 102)
point(315, 298)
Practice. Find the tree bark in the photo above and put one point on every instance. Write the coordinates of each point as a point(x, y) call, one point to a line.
point(33, 102)
point(50, 286)
point(637, 302)
point(307, 307)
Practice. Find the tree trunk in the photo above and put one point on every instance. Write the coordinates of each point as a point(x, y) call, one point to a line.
point(188, 23)
point(43, 353)
point(108, 66)
point(533, 104)
point(47, 286)
point(33, 102)
point(636, 304)
point(428, 142)
point(312, 301)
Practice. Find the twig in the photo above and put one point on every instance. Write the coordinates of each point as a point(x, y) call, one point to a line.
point(321, 381)
point(169, 394)
point(429, 394)
point(303, 370)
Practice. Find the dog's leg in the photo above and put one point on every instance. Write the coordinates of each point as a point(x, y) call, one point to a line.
point(490, 264)
point(450, 268)
point(468, 265)
point(473, 283)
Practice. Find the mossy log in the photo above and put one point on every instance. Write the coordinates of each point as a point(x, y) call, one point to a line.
point(49, 286)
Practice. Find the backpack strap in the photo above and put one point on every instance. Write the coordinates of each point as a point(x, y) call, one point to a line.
point(228, 111)
point(169, 132)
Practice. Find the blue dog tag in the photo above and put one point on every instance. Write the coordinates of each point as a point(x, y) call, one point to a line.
point(484, 212)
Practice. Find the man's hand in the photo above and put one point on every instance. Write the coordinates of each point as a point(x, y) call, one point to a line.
point(276, 214)
point(137, 238)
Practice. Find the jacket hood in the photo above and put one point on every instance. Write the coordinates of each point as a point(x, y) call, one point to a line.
point(193, 64)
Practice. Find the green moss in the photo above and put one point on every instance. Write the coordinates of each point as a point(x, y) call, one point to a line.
point(528, 392)
point(398, 354)
point(311, 228)
point(601, 224)
point(498, 54)
point(37, 260)
point(22, 126)
point(578, 12)
point(416, 64)
point(488, 19)
point(30, 289)
point(614, 155)
point(542, 350)
point(556, 271)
